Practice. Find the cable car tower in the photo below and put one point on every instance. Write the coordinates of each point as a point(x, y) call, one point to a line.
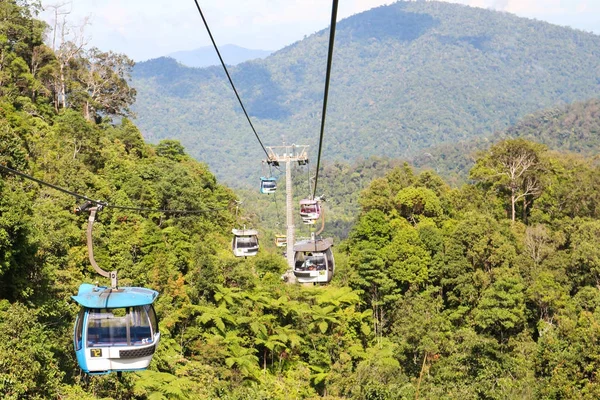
point(287, 154)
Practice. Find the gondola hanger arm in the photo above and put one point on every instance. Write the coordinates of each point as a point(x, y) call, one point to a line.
point(322, 222)
point(93, 208)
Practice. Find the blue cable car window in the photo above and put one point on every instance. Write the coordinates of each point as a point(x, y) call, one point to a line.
point(119, 327)
point(107, 329)
point(141, 332)
point(79, 330)
point(153, 318)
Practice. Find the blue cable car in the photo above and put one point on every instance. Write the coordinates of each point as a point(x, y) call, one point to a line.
point(116, 329)
point(268, 185)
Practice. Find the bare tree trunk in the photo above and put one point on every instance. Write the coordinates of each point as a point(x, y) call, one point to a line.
point(62, 93)
point(421, 376)
point(512, 203)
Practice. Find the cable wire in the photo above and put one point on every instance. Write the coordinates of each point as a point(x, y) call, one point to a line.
point(229, 77)
point(105, 204)
point(326, 94)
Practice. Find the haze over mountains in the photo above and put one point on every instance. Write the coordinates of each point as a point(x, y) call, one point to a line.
point(405, 77)
point(206, 56)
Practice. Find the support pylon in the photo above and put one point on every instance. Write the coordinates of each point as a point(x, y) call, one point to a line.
point(287, 154)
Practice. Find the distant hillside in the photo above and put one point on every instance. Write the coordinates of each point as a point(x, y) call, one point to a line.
point(206, 56)
point(575, 128)
point(406, 77)
point(572, 128)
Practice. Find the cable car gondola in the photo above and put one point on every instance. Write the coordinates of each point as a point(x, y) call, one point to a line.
point(245, 242)
point(116, 329)
point(268, 185)
point(280, 240)
point(310, 210)
point(313, 261)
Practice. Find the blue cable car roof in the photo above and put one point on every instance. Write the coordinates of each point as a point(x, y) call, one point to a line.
point(91, 296)
point(265, 179)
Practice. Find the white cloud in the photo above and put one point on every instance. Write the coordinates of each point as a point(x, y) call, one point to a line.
point(151, 28)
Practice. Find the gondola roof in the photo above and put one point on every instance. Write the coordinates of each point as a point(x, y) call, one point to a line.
point(244, 232)
point(91, 296)
point(319, 245)
point(308, 202)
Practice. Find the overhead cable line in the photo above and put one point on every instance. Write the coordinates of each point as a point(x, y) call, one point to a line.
point(105, 204)
point(326, 94)
point(229, 77)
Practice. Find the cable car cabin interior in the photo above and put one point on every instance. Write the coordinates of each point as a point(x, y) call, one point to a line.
point(116, 329)
point(245, 242)
point(309, 210)
point(313, 261)
point(268, 185)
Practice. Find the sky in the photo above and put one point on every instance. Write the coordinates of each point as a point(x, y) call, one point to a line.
point(145, 29)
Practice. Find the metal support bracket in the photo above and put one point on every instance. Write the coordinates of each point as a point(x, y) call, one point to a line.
point(114, 282)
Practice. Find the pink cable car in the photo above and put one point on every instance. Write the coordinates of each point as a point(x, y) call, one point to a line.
point(310, 210)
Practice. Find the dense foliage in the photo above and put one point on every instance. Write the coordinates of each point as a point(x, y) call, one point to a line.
point(410, 74)
point(487, 291)
point(479, 305)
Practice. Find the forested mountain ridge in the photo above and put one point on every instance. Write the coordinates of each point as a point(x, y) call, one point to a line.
point(569, 128)
point(206, 56)
point(405, 77)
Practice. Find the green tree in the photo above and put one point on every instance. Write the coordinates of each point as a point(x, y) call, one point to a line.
point(104, 89)
point(413, 202)
point(29, 368)
point(501, 309)
point(514, 166)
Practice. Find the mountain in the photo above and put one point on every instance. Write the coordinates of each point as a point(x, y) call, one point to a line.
point(406, 76)
point(206, 56)
point(572, 128)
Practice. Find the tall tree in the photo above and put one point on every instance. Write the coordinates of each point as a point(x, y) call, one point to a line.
point(104, 87)
point(514, 166)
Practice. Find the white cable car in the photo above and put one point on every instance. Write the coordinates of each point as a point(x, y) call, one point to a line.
point(310, 210)
point(313, 261)
point(245, 242)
